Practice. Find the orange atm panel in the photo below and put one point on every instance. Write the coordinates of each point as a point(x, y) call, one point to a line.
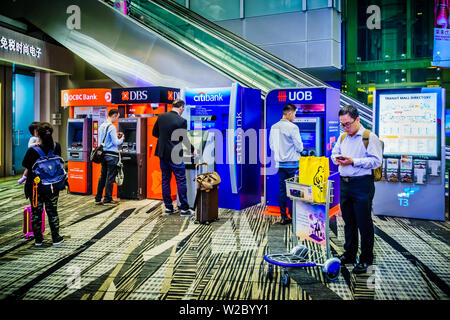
point(154, 176)
point(78, 175)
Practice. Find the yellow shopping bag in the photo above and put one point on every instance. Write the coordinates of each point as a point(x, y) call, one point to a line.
point(314, 171)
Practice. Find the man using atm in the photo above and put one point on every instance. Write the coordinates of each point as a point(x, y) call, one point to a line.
point(110, 139)
point(286, 145)
point(164, 128)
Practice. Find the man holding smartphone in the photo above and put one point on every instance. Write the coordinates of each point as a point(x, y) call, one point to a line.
point(357, 187)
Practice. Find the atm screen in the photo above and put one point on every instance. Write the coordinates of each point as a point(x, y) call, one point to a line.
point(130, 135)
point(308, 139)
point(77, 135)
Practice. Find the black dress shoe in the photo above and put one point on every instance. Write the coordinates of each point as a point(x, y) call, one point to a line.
point(360, 268)
point(346, 260)
point(287, 221)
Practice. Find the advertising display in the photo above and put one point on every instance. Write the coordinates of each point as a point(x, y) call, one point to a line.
point(410, 122)
point(318, 122)
point(311, 222)
point(441, 49)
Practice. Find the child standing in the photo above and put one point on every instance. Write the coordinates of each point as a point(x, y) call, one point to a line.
point(34, 141)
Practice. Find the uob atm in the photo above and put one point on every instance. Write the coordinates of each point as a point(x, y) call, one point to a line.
point(223, 111)
point(318, 122)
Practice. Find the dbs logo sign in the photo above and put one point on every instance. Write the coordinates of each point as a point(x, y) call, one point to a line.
point(170, 95)
point(125, 95)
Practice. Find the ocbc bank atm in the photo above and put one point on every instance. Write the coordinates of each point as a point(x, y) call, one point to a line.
point(78, 152)
point(134, 158)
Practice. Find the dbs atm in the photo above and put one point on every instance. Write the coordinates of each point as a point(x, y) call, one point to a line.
point(134, 157)
point(145, 103)
point(318, 121)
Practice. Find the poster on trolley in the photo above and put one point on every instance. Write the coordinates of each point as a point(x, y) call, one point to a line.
point(310, 222)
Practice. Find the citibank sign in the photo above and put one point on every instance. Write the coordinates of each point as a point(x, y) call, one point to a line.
point(208, 97)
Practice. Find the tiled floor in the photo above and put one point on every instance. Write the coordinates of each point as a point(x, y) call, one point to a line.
point(134, 252)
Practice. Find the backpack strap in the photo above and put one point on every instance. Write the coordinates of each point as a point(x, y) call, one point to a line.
point(365, 139)
point(106, 133)
point(41, 152)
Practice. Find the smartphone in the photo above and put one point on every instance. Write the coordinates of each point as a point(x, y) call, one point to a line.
point(340, 158)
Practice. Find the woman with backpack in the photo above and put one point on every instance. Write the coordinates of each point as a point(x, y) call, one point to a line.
point(44, 181)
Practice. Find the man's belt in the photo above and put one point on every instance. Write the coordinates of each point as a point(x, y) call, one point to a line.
point(111, 153)
point(357, 178)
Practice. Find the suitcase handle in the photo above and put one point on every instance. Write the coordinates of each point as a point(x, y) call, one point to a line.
point(199, 165)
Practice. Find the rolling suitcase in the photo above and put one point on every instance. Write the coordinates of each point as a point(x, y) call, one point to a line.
point(27, 227)
point(207, 197)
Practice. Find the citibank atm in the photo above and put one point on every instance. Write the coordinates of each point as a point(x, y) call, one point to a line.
point(410, 122)
point(134, 157)
point(318, 122)
point(233, 116)
point(78, 152)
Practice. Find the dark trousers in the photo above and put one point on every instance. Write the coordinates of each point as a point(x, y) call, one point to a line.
point(356, 207)
point(179, 170)
point(107, 178)
point(283, 200)
point(51, 202)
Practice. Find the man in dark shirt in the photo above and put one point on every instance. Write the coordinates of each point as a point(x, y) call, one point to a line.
point(164, 127)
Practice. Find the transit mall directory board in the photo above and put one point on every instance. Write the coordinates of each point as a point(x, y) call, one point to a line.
point(408, 124)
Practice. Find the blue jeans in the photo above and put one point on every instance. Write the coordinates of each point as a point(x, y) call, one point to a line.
point(179, 170)
point(283, 200)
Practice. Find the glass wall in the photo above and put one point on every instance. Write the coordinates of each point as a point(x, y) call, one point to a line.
point(388, 42)
point(422, 28)
point(216, 10)
point(182, 2)
point(259, 8)
point(316, 4)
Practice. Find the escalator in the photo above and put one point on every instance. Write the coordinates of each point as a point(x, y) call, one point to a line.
point(162, 43)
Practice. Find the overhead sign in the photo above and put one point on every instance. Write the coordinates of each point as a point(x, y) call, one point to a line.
point(85, 97)
point(21, 49)
point(144, 95)
point(210, 96)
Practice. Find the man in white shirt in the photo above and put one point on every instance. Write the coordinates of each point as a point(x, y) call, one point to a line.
point(286, 145)
point(357, 186)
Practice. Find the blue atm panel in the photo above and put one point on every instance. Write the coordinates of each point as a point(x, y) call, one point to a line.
point(221, 111)
point(318, 122)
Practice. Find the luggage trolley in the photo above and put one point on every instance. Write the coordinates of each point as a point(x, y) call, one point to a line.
point(305, 228)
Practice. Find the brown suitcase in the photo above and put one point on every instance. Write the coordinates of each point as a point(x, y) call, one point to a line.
point(206, 203)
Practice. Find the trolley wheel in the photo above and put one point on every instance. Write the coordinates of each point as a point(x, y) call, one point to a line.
point(332, 269)
point(300, 251)
point(270, 272)
point(285, 280)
